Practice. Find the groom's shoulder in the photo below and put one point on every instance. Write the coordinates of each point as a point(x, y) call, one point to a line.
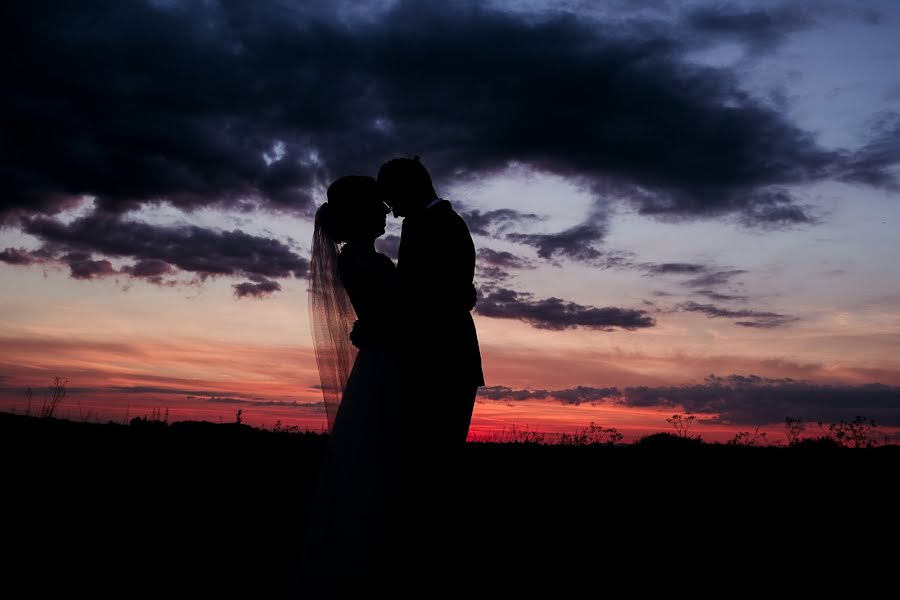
point(447, 213)
point(450, 222)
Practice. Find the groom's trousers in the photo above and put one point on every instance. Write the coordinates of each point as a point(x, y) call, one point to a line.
point(432, 497)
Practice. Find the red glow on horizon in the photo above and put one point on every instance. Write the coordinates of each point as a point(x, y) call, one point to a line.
point(211, 381)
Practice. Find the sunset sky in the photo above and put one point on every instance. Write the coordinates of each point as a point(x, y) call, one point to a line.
point(679, 207)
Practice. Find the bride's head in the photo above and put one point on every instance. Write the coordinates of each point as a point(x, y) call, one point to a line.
point(354, 210)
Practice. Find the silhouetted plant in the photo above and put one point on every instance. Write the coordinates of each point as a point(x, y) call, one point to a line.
point(55, 395)
point(524, 436)
point(853, 434)
point(745, 438)
point(484, 438)
point(511, 435)
point(156, 421)
point(593, 434)
point(818, 444)
point(793, 429)
point(237, 417)
point(681, 424)
point(668, 441)
point(85, 416)
point(28, 394)
point(279, 428)
point(156, 415)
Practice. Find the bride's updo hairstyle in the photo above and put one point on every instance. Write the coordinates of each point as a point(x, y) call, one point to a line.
point(343, 216)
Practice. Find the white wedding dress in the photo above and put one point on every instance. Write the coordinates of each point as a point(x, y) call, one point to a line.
point(352, 509)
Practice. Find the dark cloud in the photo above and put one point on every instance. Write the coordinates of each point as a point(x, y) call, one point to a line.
point(16, 256)
point(260, 287)
point(493, 222)
point(502, 392)
point(557, 314)
point(155, 389)
point(575, 396)
point(150, 268)
point(751, 318)
point(238, 104)
point(491, 275)
point(82, 266)
point(675, 268)
point(735, 399)
point(702, 276)
point(225, 400)
point(240, 401)
point(872, 163)
point(159, 250)
point(714, 277)
point(707, 293)
point(720, 297)
point(577, 243)
point(502, 258)
point(776, 209)
point(389, 245)
point(22, 256)
point(147, 103)
point(752, 400)
point(764, 28)
point(494, 266)
point(761, 28)
point(766, 321)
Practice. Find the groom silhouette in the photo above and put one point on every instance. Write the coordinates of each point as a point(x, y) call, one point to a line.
point(441, 369)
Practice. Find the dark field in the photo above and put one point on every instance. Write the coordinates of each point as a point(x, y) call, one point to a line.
point(204, 510)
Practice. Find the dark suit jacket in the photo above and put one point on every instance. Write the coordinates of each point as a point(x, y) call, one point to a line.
point(436, 268)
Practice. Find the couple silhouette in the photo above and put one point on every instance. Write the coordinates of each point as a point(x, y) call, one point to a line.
point(399, 362)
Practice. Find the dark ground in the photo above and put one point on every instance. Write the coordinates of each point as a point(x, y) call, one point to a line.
point(205, 510)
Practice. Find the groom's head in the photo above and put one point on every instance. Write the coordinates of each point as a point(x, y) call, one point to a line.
point(406, 185)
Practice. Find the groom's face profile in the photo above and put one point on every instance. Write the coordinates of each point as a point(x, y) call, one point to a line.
point(393, 195)
point(405, 185)
point(398, 205)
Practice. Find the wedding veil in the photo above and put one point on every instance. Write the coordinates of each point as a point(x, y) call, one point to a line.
point(331, 317)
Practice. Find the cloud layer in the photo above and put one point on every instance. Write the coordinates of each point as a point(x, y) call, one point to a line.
point(247, 106)
point(735, 399)
point(747, 318)
point(557, 314)
point(229, 103)
point(158, 251)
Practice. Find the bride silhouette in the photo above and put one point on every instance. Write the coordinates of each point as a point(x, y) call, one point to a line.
point(352, 511)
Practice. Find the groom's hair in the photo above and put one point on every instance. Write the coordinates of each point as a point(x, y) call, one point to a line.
point(407, 173)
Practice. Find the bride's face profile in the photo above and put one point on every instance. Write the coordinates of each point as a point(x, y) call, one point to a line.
point(372, 217)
